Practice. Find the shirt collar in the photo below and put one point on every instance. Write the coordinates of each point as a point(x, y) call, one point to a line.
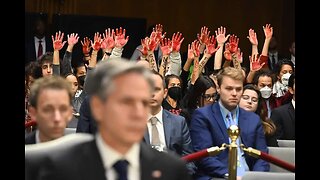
point(37, 137)
point(37, 39)
point(225, 111)
point(158, 115)
point(110, 156)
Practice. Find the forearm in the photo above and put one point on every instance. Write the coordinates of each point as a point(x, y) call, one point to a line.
point(175, 64)
point(218, 57)
point(265, 47)
point(116, 52)
point(254, 49)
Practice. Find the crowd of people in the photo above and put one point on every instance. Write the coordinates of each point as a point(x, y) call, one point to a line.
point(156, 101)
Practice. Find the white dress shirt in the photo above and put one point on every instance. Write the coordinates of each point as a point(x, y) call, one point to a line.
point(160, 129)
point(43, 43)
point(110, 156)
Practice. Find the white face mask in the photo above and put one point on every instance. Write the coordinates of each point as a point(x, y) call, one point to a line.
point(285, 79)
point(265, 92)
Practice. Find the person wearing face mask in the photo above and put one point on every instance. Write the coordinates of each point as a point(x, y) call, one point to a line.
point(173, 94)
point(264, 81)
point(280, 88)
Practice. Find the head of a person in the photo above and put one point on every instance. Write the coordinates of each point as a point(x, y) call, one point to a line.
point(173, 86)
point(46, 64)
point(206, 87)
point(292, 85)
point(80, 72)
point(158, 94)
point(264, 80)
point(40, 25)
point(120, 92)
point(273, 44)
point(292, 48)
point(30, 76)
point(72, 79)
point(286, 68)
point(51, 107)
point(250, 98)
point(230, 87)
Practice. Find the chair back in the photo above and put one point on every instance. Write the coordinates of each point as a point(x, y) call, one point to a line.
point(286, 143)
point(258, 175)
point(284, 153)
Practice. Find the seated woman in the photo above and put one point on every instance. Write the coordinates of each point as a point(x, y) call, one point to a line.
point(250, 101)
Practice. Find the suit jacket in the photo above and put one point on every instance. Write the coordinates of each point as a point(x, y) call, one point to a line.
point(177, 136)
point(86, 122)
point(208, 129)
point(30, 49)
point(176, 133)
point(284, 119)
point(30, 138)
point(83, 162)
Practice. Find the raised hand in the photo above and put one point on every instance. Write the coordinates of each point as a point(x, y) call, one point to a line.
point(255, 62)
point(238, 55)
point(233, 43)
point(221, 35)
point(144, 49)
point(210, 46)
point(108, 42)
point(57, 41)
point(177, 39)
point(73, 38)
point(252, 37)
point(86, 45)
point(268, 31)
point(203, 37)
point(195, 45)
point(166, 46)
point(120, 39)
point(158, 33)
point(96, 45)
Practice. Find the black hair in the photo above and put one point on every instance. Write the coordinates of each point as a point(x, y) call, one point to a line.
point(291, 80)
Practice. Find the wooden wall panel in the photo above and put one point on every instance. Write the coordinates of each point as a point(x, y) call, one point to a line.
point(188, 16)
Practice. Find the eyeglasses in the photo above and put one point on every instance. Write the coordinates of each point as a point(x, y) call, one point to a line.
point(253, 99)
point(209, 97)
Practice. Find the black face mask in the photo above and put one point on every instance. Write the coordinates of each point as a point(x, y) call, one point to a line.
point(175, 92)
point(81, 80)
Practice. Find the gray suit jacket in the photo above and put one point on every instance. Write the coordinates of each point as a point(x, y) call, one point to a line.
point(177, 136)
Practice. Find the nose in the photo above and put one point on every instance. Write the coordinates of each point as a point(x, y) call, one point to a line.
point(57, 116)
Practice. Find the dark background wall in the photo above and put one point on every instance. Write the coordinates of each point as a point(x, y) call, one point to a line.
point(187, 16)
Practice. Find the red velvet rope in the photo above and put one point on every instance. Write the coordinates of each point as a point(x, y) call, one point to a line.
point(196, 156)
point(277, 162)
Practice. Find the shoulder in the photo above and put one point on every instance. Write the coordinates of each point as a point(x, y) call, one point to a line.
point(173, 116)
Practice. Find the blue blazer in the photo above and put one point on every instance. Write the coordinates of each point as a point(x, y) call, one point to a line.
point(208, 129)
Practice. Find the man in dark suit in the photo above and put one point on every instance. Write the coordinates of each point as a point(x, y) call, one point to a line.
point(173, 133)
point(209, 128)
point(284, 116)
point(120, 93)
point(50, 107)
point(39, 43)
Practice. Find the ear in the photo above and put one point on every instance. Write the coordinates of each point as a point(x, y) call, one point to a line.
point(165, 93)
point(98, 109)
point(32, 112)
